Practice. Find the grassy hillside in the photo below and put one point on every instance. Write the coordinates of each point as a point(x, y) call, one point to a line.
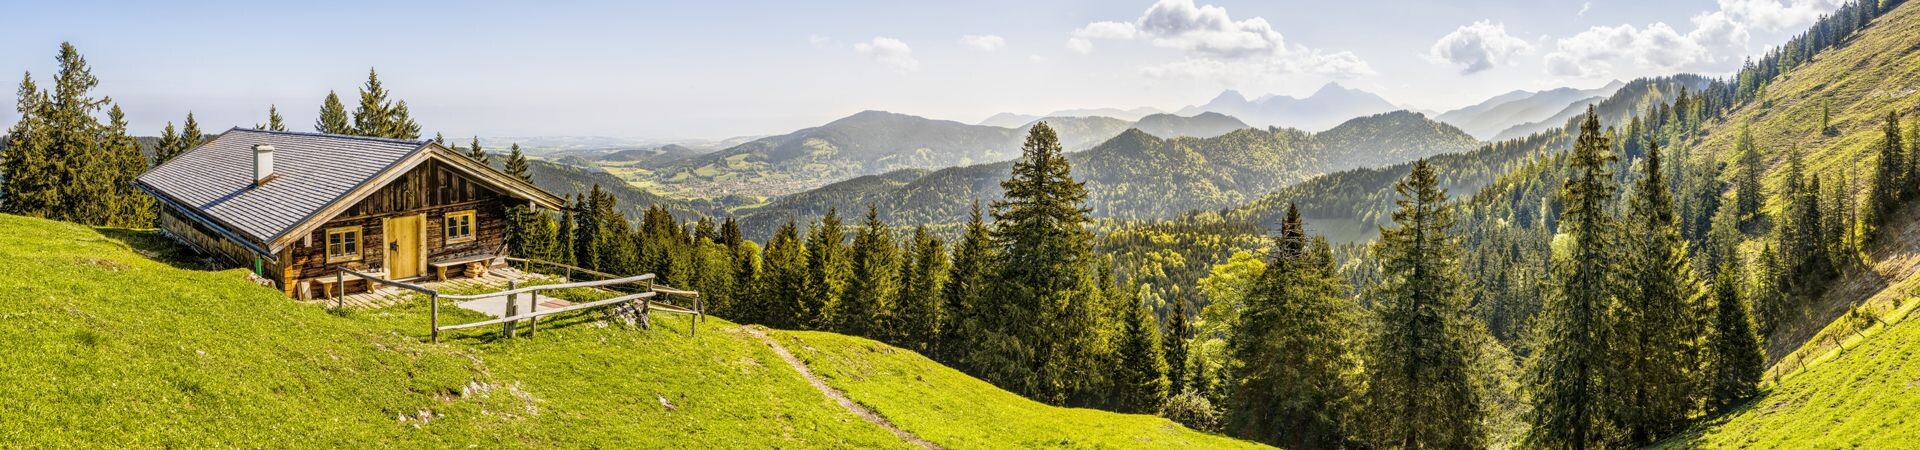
point(117, 338)
point(958, 411)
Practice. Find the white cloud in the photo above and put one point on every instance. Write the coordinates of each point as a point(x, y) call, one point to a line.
point(1478, 47)
point(1718, 37)
point(1216, 45)
point(1584, 7)
point(1036, 59)
point(818, 41)
point(984, 42)
point(889, 51)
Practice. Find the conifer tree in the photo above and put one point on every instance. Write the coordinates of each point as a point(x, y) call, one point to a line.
point(190, 136)
point(1292, 344)
point(333, 116)
point(1040, 338)
point(828, 269)
point(782, 294)
point(1178, 332)
point(922, 279)
point(30, 186)
point(1419, 355)
point(274, 122)
point(75, 150)
point(377, 116)
point(516, 164)
point(747, 306)
point(478, 154)
point(564, 236)
point(403, 126)
point(1748, 197)
point(866, 308)
point(1571, 404)
point(586, 231)
point(1140, 378)
point(130, 206)
point(962, 299)
point(164, 147)
point(1889, 176)
point(730, 233)
point(440, 140)
point(1653, 364)
point(1734, 357)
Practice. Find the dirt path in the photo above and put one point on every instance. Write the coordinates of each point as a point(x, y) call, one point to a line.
point(835, 394)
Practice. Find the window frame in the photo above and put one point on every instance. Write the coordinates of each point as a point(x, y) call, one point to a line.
point(359, 247)
point(447, 227)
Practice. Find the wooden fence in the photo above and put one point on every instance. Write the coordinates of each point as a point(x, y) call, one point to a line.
point(643, 298)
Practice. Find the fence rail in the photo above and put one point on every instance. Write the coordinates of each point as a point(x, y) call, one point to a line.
point(512, 294)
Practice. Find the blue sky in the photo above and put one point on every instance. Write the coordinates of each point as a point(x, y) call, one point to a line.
point(718, 68)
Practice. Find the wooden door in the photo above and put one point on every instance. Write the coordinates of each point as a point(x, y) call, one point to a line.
point(405, 242)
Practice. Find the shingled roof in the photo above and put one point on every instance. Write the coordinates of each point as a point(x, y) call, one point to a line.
point(311, 172)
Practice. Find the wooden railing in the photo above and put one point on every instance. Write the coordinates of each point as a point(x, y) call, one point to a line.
point(512, 315)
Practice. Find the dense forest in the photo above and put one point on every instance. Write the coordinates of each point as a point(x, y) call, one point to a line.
point(1604, 284)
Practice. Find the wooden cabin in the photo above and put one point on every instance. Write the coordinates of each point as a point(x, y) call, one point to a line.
point(297, 207)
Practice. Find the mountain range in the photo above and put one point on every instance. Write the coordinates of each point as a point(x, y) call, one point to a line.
point(1490, 118)
point(1331, 105)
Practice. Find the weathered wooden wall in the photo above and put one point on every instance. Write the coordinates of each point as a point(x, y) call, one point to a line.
point(430, 189)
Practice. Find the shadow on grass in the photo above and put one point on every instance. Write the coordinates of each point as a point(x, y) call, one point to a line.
point(152, 245)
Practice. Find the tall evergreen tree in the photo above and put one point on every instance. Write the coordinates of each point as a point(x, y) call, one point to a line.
point(477, 153)
point(1889, 176)
point(782, 292)
point(866, 308)
point(920, 301)
point(274, 122)
point(828, 269)
point(1571, 404)
point(1140, 377)
point(963, 297)
point(1653, 367)
point(378, 116)
point(1292, 344)
point(1040, 338)
point(130, 206)
point(28, 186)
point(1748, 197)
point(564, 236)
point(1178, 331)
point(190, 135)
point(1419, 355)
point(1734, 356)
point(333, 116)
point(516, 164)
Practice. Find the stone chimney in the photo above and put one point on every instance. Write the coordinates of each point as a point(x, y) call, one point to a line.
point(262, 163)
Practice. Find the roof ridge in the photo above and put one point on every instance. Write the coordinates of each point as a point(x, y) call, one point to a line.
point(331, 135)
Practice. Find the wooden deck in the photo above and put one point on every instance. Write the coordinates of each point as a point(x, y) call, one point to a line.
point(496, 280)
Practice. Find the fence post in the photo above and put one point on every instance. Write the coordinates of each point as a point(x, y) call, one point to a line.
point(340, 289)
point(512, 307)
point(533, 310)
point(434, 300)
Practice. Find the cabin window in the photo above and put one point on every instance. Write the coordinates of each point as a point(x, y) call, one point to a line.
point(459, 227)
point(343, 244)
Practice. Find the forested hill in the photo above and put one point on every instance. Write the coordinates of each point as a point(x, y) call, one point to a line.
point(1141, 176)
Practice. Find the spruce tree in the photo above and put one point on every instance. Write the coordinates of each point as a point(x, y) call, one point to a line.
point(1178, 331)
point(1735, 359)
point(403, 126)
point(866, 308)
point(748, 305)
point(828, 269)
point(377, 116)
point(782, 292)
point(586, 231)
point(163, 149)
point(1425, 341)
point(130, 206)
point(1653, 364)
point(923, 277)
point(563, 238)
point(1040, 338)
point(478, 154)
point(28, 186)
point(1568, 371)
point(274, 122)
point(968, 283)
point(730, 233)
point(333, 116)
point(1292, 344)
point(516, 164)
point(1748, 197)
point(1140, 377)
point(190, 135)
point(1889, 176)
point(75, 150)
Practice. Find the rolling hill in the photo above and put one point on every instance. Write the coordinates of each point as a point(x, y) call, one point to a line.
point(1203, 125)
point(155, 350)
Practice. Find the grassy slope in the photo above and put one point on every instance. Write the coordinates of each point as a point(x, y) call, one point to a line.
point(114, 338)
point(954, 410)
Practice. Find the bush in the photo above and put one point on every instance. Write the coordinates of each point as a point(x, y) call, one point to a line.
point(1193, 410)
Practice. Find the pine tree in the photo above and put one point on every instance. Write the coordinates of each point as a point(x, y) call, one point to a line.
point(867, 306)
point(440, 139)
point(403, 126)
point(1748, 197)
point(163, 149)
point(563, 239)
point(1734, 356)
point(730, 233)
point(274, 122)
point(920, 301)
point(828, 269)
point(1178, 332)
point(963, 297)
point(190, 135)
point(75, 148)
point(1653, 364)
point(586, 231)
point(1040, 338)
point(782, 292)
point(131, 207)
point(333, 116)
point(1292, 344)
point(1419, 356)
point(747, 306)
point(29, 186)
point(1571, 404)
point(516, 164)
point(1889, 176)
point(478, 154)
point(1140, 377)
point(377, 116)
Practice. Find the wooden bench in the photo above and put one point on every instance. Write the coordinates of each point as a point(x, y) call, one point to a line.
point(476, 265)
point(327, 282)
